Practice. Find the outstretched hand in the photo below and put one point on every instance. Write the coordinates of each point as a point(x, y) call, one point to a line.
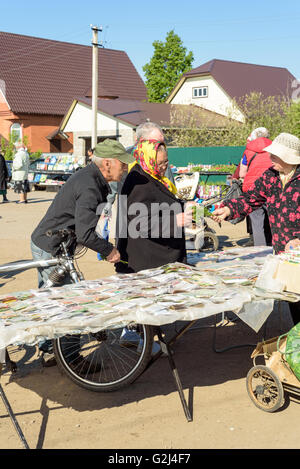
point(220, 214)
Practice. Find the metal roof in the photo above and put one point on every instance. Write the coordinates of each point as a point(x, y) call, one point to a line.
point(134, 112)
point(239, 79)
point(42, 76)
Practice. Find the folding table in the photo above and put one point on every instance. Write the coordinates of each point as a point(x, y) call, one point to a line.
point(250, 308)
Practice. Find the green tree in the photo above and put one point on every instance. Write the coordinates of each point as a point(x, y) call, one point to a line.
point(169, 61)
point(293, 119)
point(7, 148)
point(276, 113)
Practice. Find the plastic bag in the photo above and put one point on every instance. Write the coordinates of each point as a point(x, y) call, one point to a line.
point(266, 280)
point(292, 350)
point(104, 233)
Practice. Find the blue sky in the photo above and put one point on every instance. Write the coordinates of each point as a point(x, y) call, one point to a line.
point(265, 32)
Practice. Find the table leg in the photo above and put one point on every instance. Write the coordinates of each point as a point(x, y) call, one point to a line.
point(12, 416)
point(166, 349)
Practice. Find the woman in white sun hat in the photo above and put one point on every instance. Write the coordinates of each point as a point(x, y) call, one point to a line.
point(279, 190)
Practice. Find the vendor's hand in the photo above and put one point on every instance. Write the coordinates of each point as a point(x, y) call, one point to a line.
point(220, 214)
point(294, 243)
point(114, 256)
point(191, 203)
point(185, 218)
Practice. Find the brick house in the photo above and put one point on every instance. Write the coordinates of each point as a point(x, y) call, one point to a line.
point(39, 79)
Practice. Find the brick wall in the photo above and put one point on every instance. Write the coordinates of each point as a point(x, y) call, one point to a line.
point(6, 120)
point(36, 128)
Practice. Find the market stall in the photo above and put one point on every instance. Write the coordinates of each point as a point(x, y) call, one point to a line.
point(52, 170)
point(155, 297)
point(202, 182)
point(237, 280)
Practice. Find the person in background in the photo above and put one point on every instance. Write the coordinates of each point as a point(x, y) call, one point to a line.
point(3, 179)
point(254, 163)
point(20, 168)
point(90, 153)
point(279, 190)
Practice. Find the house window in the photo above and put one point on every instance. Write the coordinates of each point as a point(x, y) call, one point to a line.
point(16, 132)
point(200, 92)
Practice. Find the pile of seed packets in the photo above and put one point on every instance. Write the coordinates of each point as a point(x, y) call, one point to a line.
point(292, 256)
point(155, 296)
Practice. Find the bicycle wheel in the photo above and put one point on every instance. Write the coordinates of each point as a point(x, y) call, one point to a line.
point(103, 361)
point(264, 388)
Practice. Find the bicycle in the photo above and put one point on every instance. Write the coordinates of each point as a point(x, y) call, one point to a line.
point(99, 361)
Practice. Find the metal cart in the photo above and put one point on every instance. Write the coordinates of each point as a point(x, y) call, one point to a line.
point(268, 384)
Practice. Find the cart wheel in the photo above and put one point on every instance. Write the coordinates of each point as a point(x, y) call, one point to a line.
point(211, 242)
point(264, 388)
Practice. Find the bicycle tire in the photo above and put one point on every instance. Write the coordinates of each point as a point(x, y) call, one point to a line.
point(104, 363)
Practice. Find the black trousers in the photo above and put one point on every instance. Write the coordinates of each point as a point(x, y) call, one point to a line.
point(295, 312)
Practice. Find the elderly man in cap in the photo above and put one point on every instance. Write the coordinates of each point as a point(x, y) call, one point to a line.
point(75, 207)
point(279, 190)
point(76, 203)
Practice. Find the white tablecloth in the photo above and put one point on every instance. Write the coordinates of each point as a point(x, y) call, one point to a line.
point(218, 282)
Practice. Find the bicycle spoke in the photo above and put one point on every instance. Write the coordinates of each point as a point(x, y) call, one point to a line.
point(101, 360)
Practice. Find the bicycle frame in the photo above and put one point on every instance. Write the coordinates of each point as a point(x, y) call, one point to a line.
point(64, 262)
point(29, 264)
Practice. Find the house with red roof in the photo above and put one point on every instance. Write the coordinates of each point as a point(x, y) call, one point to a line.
point(39, 79)
point(218, 84)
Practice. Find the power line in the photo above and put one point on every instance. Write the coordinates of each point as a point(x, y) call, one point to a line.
point(34, 47)
point(43, 61)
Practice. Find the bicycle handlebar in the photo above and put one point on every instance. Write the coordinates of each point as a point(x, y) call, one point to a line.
point(27, 264)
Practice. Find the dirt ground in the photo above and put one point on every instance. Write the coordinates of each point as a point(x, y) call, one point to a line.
point(54, 413)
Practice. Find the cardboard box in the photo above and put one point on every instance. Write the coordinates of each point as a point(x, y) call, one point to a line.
point(289, 275)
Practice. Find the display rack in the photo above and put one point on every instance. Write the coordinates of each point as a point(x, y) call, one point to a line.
point(52, 170)
point(202, 190)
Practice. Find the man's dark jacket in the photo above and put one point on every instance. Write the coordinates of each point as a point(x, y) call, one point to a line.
point(155, 247)
point(75, 207)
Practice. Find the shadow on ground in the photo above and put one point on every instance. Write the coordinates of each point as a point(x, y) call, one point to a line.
point(194, 353)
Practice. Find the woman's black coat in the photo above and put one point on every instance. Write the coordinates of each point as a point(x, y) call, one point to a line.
point(3, 174)
point(160, 241)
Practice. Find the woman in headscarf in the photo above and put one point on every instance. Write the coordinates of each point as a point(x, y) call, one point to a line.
point(154, 234)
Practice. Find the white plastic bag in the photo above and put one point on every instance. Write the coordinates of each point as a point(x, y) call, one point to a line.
point(265, 279)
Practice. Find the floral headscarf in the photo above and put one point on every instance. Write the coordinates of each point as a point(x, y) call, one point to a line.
point(145, 153)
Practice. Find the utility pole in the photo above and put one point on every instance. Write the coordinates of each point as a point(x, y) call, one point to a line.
point(95, 84)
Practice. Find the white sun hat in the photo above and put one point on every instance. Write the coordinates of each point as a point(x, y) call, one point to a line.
point(286, 147)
